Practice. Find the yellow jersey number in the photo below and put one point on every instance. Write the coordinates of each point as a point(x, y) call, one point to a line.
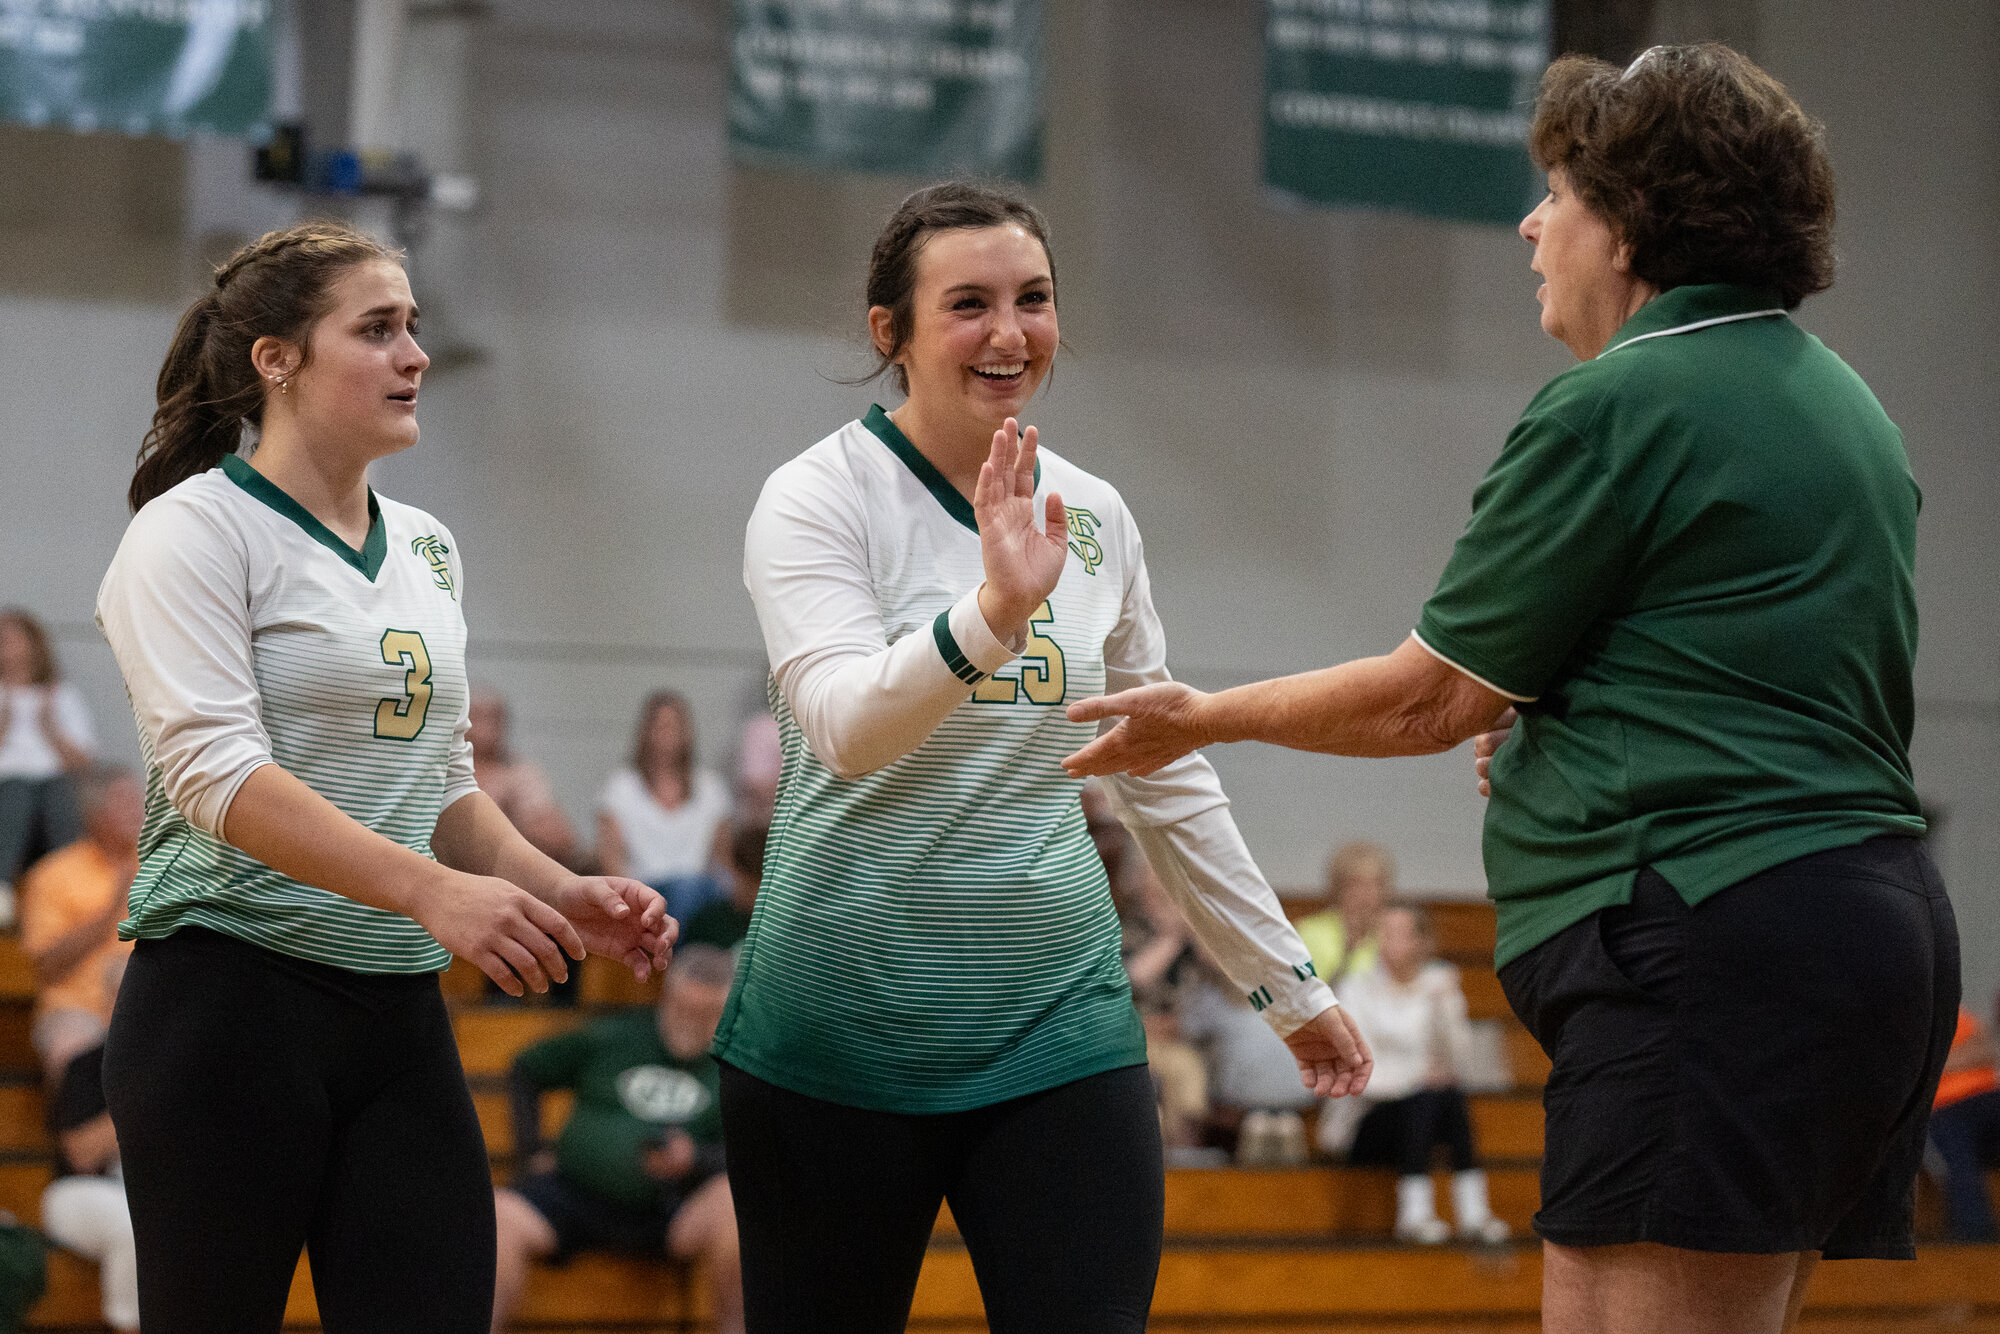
point(400, 719)
point(1041, 668)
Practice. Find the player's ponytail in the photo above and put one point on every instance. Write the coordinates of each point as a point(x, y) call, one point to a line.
point(277, 286)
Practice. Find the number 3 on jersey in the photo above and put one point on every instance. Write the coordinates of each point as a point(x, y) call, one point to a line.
point(401, 718)
point(1041, 668)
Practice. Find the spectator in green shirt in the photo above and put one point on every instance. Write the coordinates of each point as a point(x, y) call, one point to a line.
point(639, 1166)
point(725, 921)
point(1691, 571)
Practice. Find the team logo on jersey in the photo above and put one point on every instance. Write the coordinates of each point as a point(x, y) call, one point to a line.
point(1083, 539)
point(662, 1095)
point(435, 552)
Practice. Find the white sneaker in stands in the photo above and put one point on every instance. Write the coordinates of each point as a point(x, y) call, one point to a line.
point(1424, 1231)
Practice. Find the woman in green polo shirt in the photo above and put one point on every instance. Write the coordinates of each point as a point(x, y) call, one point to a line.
point(1690, 570)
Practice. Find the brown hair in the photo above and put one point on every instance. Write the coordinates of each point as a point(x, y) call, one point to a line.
point(643, 757)
point(1420, 916)
point(1700, 161)
point(892, 269)
point(38, 644)
point(277, 286)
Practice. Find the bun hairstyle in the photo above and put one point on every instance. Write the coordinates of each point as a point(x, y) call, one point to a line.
point(274, 287)
point(892, 269)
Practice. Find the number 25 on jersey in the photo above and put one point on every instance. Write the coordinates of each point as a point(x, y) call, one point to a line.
point(400, 718)
point(1042, 674)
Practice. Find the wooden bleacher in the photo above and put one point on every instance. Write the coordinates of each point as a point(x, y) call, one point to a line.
point(1298, 1250)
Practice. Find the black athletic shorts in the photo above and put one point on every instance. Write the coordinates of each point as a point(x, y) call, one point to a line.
point(584, 1221)
point(1752, 1075)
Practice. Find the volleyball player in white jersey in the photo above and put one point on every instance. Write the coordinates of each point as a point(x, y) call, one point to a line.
point(280, 1069)
point(930, 1003)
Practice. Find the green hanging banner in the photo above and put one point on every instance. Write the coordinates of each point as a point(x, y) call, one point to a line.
point(137, 66)
point(1415, 105)
point(910, 87)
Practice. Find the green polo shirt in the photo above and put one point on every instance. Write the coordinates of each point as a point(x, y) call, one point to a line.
point(1692, 566)
point(630, 1091)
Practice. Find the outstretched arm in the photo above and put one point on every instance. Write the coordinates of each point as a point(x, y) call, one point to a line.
point(1409, 702)
point(1180, 819)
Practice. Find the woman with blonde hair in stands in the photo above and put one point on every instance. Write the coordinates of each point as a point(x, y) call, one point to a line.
point(280, 1068)
point(45, 737)
point(1360, 877)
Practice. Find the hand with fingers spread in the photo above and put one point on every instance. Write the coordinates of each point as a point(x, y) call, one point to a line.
point(506, 932)
point(1485, 744)
point(1162, 722)
point(1334, 1060)
point(1024, 552)
point(618, 918)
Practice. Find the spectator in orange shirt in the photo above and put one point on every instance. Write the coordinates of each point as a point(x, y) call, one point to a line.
point(71, 903)
point(1965, 1127)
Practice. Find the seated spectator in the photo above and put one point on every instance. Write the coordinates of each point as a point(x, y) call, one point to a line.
point(657, 816)
point(639, 1166)
point(71, 904)
point(84, 1208)
point(723, 922)
point(45, 738)
point(1159, 962)
point(518, 786)
point(1342, 938)
point(1965, 1129)
point(1412, 1010)
point(1253, 1082)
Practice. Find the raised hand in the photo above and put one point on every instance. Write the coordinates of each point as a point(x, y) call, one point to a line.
point(1023, 553)
point(621, 919)
point(1334, 1060)
point(1162, 723)
point(1485, 744)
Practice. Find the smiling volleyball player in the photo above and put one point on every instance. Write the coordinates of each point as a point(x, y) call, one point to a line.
point(930, 1003)
point(280, 1068)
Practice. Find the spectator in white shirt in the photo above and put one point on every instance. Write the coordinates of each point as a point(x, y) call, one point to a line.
point(1412, 1010)
point(658, 816)
point(45, 736)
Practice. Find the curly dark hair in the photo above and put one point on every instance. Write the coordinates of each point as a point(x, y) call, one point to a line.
point(1700, 161)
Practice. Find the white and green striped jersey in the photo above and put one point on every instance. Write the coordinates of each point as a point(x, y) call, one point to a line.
point(249, 634)
point(934, 931)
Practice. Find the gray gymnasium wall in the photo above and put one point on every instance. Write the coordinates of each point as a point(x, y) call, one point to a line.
point(1296, 404)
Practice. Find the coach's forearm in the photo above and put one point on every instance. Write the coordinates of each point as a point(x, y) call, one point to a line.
point(1403, 703)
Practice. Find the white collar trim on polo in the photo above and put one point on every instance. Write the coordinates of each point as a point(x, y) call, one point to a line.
point(1690, 328)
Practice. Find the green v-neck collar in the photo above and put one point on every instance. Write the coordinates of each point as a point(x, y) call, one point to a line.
point(374, 549)
point(955, 504)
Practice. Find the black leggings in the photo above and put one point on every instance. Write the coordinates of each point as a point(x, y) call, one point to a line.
point(1060, 1196)
point(263, 1104)
point(1402, 1133)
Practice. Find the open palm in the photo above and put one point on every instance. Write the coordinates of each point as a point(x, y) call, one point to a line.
point(1023, 552)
